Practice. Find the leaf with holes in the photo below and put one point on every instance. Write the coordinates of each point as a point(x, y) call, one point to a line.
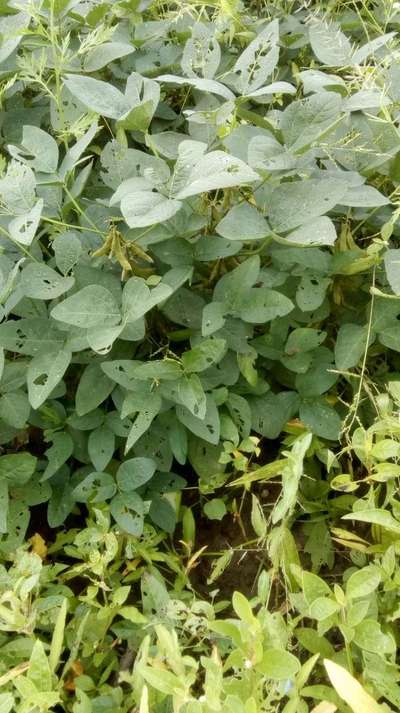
point(61, 449)
point(45, 371)
point(42, 283)
point(259, 59)
point(23, 228)
point(128, 510)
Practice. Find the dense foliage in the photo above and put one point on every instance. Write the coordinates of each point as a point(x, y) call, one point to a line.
point(200, 311)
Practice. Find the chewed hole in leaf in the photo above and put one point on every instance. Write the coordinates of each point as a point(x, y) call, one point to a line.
point(40, 380)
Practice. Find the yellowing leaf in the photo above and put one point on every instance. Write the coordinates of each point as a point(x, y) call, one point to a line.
point(144, 701)
point(39, 546)
point(14, 672)
point(350, 690)
point(324, 707)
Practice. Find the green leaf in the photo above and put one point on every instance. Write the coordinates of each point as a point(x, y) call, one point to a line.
point(386, 449)
point(314, 587)
point(215, 509)
point(38, 149)
point(138, 299)
point(308, 120)
point(351, 342)
point(271, 412)
point(6, 702)
point(266, 154)
point(303, 340)
point(161, 369)
point(143, 95)
point(210, 86)
point(392, 267)
point(104, 54)
point(17, 468)
point(57, 639)
point(323, 608)
point(83, 703)
point(94, 387)
point(329, 44)
point(318, 231)
point(260, 304)
point(216, 170)
point(207, 428)
point(12, 27)
point(101, 446)
point(278, 665)
point(240, 411)
point(362, 53)
point(102, 340)
point(369, 637)
point(132, 614)
point(144, 208)
point(67, 250)
point(134, 473)
point(163, 680)
point(363, 582)
point(319, 377)
point(243, 222)
point(292, 472)
point(293, 204)
point(163, 514)
point(246, 363)
point(14, 408)
point(92, 306)
point(320, 418)
point(364, 197)
point(390, 337)
point(232, 286)
point(39, 672)
point(74, 153)
point(98, 96)
point(203, 356)
point(243, 610)
point(314, 643)
point(3, 507)
point(374, 517)
point(258, 520)
point(17, 189)
point(141, 424)
point(191, 395)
